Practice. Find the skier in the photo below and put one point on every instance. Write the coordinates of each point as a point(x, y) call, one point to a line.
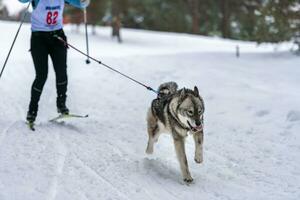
point(46, 24)
point(116, 27)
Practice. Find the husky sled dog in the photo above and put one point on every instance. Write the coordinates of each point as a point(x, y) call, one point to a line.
point(177, 112)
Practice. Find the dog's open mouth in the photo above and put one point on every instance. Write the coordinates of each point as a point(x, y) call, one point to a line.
point(195, 128)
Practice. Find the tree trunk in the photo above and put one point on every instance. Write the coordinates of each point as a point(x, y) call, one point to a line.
point(195, 14)
point(194, 9)
point(225, 24)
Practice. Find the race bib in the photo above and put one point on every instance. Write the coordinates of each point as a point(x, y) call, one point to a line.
point(51, 18)
point(48, 15)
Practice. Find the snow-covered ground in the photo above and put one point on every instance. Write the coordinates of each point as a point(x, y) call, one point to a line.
point(252, 121)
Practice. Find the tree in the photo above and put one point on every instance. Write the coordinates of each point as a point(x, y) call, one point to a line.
point(73, 15)
point(95, 12)
point(256, 20)
point(167, 15)
point(225, 23)
point(238, 20)
point(278, 21)
point(247, 19)
point(193, 6)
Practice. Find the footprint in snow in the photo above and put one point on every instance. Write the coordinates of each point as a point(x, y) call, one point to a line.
point(262, 113)
point(293, 116)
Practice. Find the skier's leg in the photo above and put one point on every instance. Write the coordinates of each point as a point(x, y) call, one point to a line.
point(58, 55)
point(39, 52)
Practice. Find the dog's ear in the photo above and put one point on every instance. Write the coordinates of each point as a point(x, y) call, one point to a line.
point(182, 93)
point(196, 91)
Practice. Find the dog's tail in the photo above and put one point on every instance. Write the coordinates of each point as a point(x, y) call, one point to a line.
point(167, 89)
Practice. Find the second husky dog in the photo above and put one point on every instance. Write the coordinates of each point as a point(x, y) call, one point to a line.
point(177, 112)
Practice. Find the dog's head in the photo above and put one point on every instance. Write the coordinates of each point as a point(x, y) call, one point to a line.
point(190, 109)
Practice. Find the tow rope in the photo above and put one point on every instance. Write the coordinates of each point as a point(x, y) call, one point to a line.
point(107, 66)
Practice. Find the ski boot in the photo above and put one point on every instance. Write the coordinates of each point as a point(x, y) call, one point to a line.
point(31, 115)
point(61, 105)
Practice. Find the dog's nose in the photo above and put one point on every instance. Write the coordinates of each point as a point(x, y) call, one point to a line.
point(198, 123)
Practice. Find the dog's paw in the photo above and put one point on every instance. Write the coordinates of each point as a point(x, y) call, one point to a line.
point(188, 180)
point(198, 159)
point(149, 151)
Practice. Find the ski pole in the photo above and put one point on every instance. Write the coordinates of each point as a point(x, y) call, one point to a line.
point(107, 66)
point(86, 37)
point(22, 21)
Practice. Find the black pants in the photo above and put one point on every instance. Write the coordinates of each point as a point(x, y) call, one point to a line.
point(44, 44)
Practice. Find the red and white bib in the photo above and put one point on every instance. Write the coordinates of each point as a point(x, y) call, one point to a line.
point(48, 15)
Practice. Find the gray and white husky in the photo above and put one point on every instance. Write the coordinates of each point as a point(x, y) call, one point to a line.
point(177, 112)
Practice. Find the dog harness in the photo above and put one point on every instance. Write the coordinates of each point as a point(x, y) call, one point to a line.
point(48, 15)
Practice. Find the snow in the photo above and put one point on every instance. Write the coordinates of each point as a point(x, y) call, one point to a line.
point(252, 121)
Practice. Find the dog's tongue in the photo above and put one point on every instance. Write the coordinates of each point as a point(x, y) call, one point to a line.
point(197, 128)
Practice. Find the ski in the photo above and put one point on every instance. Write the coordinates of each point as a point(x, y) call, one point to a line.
point(31, 125)
point(67, 116)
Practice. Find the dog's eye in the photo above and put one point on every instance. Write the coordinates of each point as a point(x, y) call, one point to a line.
point(190, 112)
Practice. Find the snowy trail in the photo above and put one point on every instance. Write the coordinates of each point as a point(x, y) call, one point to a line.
point(252, 122)
point(62, 152)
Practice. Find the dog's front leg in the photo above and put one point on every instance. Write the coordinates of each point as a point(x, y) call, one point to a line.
point(180, 152)
point(153, 131)
point(198, 138)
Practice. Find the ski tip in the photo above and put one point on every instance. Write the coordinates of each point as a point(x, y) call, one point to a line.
point(66, 116)
point(77, 116)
